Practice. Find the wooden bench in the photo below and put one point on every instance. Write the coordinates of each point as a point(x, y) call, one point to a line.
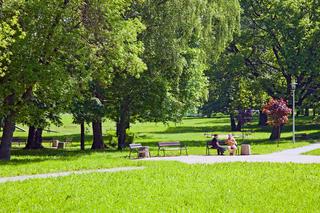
point(19, 140)
point(164, 146)
point(209, 146)
point(302, 136)
point(222, 143)
point(68, 141)
point(138, 148)
point(53, 141)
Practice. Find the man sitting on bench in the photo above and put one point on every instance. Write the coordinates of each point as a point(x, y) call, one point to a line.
point(215, 145)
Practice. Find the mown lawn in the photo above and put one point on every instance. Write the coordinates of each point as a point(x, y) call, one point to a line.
point(173, 187)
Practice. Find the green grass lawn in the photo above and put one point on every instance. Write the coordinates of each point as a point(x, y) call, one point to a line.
point(313, 152)
point(173, 187)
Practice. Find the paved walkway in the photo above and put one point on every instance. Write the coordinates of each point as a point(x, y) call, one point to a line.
point(286, 156)
point(60, 174)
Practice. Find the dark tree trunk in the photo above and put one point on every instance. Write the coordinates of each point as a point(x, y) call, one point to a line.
point(314, 112)
point(298, 112)
point(121, 135)
point(97, 135)
point(34, 138)
point(82, 136)
point(306, 112)
point(276, 133)
point(7, 135)
point(31, 137)
point(263, 118)
point(233, 123)
point(122, 125)
point(239, 126)
point(38, 139)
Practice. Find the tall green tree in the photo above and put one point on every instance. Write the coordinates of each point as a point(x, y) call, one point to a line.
point(180, 40)
point(38, 59)
point(113, 35)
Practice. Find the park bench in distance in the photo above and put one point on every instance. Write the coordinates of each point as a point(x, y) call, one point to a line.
point(19, 140)
point(222, 143)
point(60, 144)
point(209, 146)
point(54, 142)
point(138, 148)
point(164, 146)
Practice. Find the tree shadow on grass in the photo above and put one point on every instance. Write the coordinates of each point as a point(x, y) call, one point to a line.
point(21, 156)
point(193, 129)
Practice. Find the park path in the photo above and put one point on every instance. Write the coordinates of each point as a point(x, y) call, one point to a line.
point(286, 156)
point(61, 174)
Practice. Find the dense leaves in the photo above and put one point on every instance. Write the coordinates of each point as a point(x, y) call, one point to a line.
point(278, 112)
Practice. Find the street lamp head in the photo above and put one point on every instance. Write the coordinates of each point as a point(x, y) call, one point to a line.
point(293, 85)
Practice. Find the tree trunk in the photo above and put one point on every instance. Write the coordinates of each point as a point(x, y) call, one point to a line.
point(298, 112)
point(38, 139)
point(306, 112)
point(121, 135)
point(82, 136)
point(122, 125)
point(276, 133)
point(97, 135)
point(239, 127)
point(233, 123)
point(31, 137)
point(263, 118)
point(7, 135)
point(34, 138)
point(314, 112)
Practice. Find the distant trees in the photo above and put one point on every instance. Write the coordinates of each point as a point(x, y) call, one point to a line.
point(273, 48)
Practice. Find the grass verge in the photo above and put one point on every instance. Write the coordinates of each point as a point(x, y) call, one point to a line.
point(313, 152)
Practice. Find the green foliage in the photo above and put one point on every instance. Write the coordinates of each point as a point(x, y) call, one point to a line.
point(279, 41)
point(9, 31)
point(38, 72)
point(182, 37)
point(282, 46)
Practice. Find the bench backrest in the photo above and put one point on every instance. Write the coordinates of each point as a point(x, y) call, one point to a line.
point(18, 140)
point(68, 140)
point(209, 143)
point(135, 145)
point(175, 143)
point(48, 139)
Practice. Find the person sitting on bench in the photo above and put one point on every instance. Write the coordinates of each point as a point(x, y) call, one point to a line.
point(215, 145)
point(232, 144)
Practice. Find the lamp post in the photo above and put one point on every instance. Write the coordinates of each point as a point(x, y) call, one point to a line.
point(293, 89)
